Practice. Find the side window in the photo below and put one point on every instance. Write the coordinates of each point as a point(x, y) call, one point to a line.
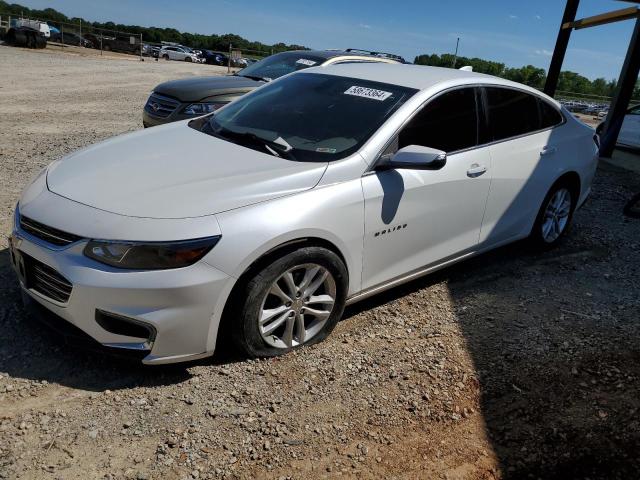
point(448, 123)
point(511, 113)
point(549, 116)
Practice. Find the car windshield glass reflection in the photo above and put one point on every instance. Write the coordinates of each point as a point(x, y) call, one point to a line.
point(308, 117)
point(278, 65)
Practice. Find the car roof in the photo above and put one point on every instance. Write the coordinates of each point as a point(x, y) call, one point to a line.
point(420, 77)
point(328, 54)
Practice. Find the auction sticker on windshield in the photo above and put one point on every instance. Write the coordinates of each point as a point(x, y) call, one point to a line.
point(365, 92)
point(304, 61)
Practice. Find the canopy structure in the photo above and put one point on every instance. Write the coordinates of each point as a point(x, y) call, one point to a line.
point(628, 74)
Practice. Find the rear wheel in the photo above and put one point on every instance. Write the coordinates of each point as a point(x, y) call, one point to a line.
point(294, 301)
point(555, 215)
point(188, 59)
point(165, 56)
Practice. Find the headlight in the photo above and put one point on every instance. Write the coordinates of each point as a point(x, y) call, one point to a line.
point(202, 108)
point(149, 255)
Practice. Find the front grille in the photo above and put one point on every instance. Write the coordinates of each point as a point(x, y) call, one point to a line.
point(46, 233)
point(46, 281)
point(161, 106)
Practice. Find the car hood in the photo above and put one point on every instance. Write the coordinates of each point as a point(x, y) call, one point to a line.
point(197, 88)
point(174, 171)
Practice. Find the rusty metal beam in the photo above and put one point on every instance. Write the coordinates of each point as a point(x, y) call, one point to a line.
point(603, 19)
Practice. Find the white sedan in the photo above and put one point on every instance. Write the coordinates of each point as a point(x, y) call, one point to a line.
point(257, 224)
point(179, 53)
point(630, 130)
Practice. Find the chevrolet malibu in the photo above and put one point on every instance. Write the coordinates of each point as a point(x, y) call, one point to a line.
point(256, 225)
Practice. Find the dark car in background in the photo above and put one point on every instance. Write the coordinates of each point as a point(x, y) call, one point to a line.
point(70, 38)
point(115, 44)
point(214, 58)
point(193, 97)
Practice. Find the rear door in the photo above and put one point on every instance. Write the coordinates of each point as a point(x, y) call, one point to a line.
point(525, 157)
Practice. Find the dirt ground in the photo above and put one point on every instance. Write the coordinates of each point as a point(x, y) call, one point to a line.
point(512, 365)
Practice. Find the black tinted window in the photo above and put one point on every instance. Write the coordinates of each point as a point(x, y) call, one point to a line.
point(549, 116)
point(449, 123)
point(511, 113)
point(281, 64)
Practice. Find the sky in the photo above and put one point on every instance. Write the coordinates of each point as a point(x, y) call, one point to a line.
point(516, 33)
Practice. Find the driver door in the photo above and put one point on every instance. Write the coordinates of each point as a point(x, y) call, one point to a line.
point(418, 218)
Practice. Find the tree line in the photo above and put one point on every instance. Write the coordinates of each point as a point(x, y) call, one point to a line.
point(153, 34)
point(529, 75)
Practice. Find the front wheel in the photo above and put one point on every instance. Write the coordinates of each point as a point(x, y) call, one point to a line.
point(554, 217)
point(188, 59)
point(294, 301)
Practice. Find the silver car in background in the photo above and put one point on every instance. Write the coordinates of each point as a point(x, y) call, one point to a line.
point(183, 54)
point(261, 221)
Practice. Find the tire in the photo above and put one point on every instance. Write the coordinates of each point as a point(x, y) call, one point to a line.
point(166, 57)
point(106, 48)
point(31, 40)
point(548, 231)
point(20, 39)
point(255, 300)
point(188, 59)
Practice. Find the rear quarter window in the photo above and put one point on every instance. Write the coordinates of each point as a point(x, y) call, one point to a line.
point(549, 115)
point(511, 113)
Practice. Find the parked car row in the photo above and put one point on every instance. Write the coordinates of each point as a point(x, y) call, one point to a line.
point(191, 97)
point(183, 53)
point(588, 108)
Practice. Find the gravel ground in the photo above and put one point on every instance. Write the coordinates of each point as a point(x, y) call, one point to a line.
point(512, 365)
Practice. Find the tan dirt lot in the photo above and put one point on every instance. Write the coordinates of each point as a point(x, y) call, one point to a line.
point(512, 365)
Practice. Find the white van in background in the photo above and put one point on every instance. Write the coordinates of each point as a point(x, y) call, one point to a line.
point(41, 27)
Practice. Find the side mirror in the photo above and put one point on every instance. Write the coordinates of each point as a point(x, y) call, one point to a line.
point(413, 157)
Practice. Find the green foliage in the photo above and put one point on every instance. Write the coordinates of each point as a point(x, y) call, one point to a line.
point(154, 34)
point(528, 75)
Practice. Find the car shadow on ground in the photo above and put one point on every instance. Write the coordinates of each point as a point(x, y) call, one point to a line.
point(559, 383)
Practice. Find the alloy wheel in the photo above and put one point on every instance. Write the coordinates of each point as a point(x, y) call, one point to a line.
point(556, 215)
point(297, 306)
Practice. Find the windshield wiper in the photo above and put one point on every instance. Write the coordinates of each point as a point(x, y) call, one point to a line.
point(278, 147)
point(254, 77)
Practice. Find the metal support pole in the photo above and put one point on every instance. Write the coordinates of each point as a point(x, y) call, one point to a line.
point(101, 43)
point(455, 55)
point(141, 47)
point(229, 60)
point(61, 35)
point(561, 47)
point(80, 35)
point(622, 97)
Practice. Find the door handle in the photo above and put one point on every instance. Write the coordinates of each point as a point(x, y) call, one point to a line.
point(548, 150)
point(476, 170)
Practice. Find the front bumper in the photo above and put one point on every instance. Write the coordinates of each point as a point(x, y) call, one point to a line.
point(181, 305)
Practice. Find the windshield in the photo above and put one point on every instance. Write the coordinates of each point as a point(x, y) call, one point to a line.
point(308, 117)
point(280, 64)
